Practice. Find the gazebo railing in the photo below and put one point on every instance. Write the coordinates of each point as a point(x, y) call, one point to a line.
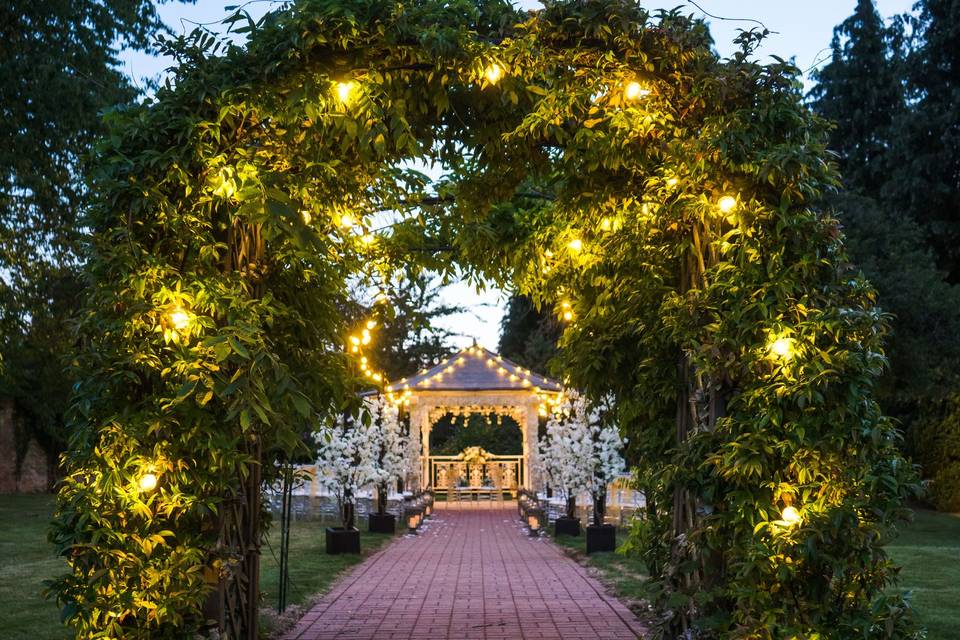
point(452, 477)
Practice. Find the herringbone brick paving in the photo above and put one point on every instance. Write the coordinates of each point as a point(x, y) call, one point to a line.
point(469, 574)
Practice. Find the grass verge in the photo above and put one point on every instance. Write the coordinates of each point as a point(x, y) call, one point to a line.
point(27, 559)
point(928, 550)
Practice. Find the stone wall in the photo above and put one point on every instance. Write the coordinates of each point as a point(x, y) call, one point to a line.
point(35, 474)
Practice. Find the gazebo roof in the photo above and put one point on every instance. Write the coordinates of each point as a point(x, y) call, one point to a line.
point(476, 369)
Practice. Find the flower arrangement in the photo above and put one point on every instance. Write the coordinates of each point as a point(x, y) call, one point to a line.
point(474, 455)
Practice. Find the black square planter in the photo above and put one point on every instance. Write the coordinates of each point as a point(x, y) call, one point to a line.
point(340, 540)
point(601, 538)
point(566, 526)
point(383, 523)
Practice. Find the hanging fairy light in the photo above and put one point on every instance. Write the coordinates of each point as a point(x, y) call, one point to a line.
point(344, 89)
point(790, 515)
point(575, 245)
point(179, 318)
point(781, 348)
point(727, 204)
point(634, 91)
point(147, 482)
point(493, 73)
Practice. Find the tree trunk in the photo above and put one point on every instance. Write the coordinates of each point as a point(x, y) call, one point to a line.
point(572, 507)
point(599, 506)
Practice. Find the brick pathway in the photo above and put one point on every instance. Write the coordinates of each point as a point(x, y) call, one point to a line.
point(470, 574)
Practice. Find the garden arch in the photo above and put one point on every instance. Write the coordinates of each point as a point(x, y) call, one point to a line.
point(666, 204)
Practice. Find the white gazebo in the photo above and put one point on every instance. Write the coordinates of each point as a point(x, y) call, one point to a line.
point(471, 381)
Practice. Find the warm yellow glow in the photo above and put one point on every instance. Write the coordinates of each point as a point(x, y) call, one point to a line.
point(575, 245)
point(781, 348)
point(371, 324)
point(347, 221)
point(790, 515)
point(634, 91)
point(367, 238)
point(343, 90)
point(179, 318)
point(306, 217)
point(148, 482)
point(377, 377)
point(606, 224)
point(365, 336)
point(354, 340)
point(568, 315)
point(493, 73)
point(672, 182)
point(727, 204)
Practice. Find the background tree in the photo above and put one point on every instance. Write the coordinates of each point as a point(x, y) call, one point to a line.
point(528, 336)
point(892, 101)
point(59, 69)
point(925, 149)
point(861, 92)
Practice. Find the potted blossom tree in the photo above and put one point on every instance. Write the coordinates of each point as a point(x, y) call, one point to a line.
point(564, 457)
point(607, 465)
point(346, 460)
point(391, 464)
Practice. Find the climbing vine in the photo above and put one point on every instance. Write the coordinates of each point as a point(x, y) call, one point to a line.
point(665, 203)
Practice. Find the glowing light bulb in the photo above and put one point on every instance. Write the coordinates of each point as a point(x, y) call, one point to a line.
point(179, 318)
point(148, 482)
point(493, 73)
point(346, 221)
point(782, 348)
point(365, 336)
point(635, 90)
point(575, 245)
point(606, 224)
point(306, 217)
point(367, 238)
point(790, 515)
point(355, 340)
point(343, 90)
point(371, 324)
point(568, 315)
point(726, 204)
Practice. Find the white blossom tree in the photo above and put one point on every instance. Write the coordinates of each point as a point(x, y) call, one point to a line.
point(347, 460)
point(564, 452)
point(392, 446)
point(606, 457)
point(580, 453)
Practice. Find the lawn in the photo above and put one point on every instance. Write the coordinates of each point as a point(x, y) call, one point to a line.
point(26, 560)
point(928, 550)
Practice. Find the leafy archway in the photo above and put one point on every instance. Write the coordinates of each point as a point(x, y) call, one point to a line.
point(604, 161)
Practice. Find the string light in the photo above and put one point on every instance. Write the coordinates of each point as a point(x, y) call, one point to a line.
point(347, 221)
point(781, 348)
point(148, 482)
point(790, 515)
point(493, 73)
point(575, 245)
point(343, 90)
point(606, 224)
point(727, 204)
point(306, 217)
point(634, 91)
point(179, 318)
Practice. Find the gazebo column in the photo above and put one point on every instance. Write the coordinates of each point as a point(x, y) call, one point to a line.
point(417, 420)
point(530, 432)
point(425, 476)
